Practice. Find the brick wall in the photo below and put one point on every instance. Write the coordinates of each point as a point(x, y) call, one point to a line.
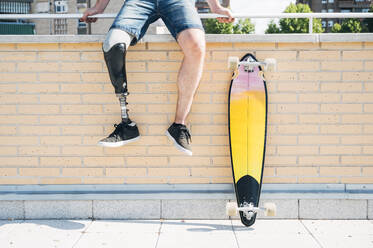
point(57, 102)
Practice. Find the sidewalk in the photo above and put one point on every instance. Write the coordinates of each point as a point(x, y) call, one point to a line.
point(188, 233)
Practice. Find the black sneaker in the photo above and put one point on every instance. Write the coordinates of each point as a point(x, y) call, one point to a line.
point(179, 134)
point(124, 133)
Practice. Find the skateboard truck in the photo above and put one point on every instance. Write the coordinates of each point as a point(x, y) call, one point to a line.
point(269, 64)
point(249, 210)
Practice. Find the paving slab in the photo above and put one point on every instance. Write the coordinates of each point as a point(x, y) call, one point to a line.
point(272, 233)
point(342, 233)
point(197, 234)
point(126, 209)
point(44, 233)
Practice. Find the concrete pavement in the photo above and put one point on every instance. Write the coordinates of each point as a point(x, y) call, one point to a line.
point(185, 233)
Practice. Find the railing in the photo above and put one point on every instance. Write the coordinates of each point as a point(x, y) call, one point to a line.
point(310, 16)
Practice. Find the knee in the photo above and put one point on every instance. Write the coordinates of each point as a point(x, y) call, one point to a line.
point(196, 49)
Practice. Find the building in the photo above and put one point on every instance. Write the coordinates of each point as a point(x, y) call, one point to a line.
point(16, 26)
point(330, 6)
point(202, 5)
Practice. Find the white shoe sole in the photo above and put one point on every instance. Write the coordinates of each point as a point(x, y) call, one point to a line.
point(117, 144)
point(179, 147)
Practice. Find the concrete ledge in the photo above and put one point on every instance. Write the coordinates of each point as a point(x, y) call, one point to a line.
point(293, 38)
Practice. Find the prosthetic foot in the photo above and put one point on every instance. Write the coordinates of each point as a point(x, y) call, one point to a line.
point(127, 130)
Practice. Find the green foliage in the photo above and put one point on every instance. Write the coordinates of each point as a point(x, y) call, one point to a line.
point(351, 25)
point(243, 26)
point(368, 23)
point(295, 25)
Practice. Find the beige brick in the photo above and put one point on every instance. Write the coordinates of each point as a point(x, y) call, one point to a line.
point(18, 99)
point(278, 55)
point(20, 181)
point(319, 76)
point(191, 161)
point(280, 160)
point(209, 129)
point(170, 172)
point(81, 67)
point(59, 119)
point(93, 56)
point(59, 77)
point(147, 77)
point(60, 161)
point(283, 98)
point(297, 108)
point(367, 150)
point(282, 140)
point(61, 140)
point(37, 46)
point(81, 109)
point(39, 130)
point(38, 109)
point(60, 180)
point(60, 98)
point(163, 66)
point(279, 179)
point(319, 118)
point(357, 140)
point(213, 46)
point(7, 67)
point(38, 150)
point(8, 109)
point(37, 67)
point(18, 140)
point(294, 150)
point(319, 97)
point(341, 45)
point(281, 118)
point(162, 46)
point(368, 108)
point(189, 180)
point(340, 87)
point(340, 150)
point(19, 118)
point(8, 150)
point(298, 46)
point(221, 180)
point(280, 76)
point(317, 139)
point(298, 129)
point(297, 171)
point(163, 150)
point(367, 171)
point(368, 129)
point(215, 140)
point(341, 65)
point(340, 171)
point(103, 161)
point(213, 88)
point(6, 172)
point(146, 161)
point(140, 46)
point(356, 160)
point(368, 65)
point(267, 172)
point(18, 56)
point(357, 76)
point(17, 77)
point(8, 88)
point(39, 171)
point(83, 151)
point(59, 56)
point(357, 55)
point(254, 46)
point(162, 87)
point(360, 180)
point(222, 55)
point(146, 180)
point(221, 161)
point(128, 151)
point(319, 55)
point(198, 98)
point(82, 130)
point(87, 46)
point(208, 171)
point(340, 129)
point(220, 118)
point(95, 77)
point(341, 108)
point(318, 160)
point(89, 172)
point(38, 88)
point(136, 172)
point(151, 140)
point(175, 55)
point(115, 109)
point(296, 86)
point(103, 180)
point(357, 118)
point(7, 46)
point(318, 180)
point(148, 56)
point(210, 150)
point(298, 66)
point(150, 118)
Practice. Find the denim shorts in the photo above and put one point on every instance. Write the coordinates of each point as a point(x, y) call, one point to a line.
point(135, 16)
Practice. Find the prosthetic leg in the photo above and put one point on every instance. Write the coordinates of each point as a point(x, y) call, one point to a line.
point(127, 130)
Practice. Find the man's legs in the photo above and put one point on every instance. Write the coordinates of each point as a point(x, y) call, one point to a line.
point(192, 43)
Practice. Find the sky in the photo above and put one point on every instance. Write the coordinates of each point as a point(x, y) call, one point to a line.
point(259, 6)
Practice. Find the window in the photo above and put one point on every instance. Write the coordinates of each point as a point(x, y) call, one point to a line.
point(330, 23)
point(323, 11)
point(345, 10)
point(323, 1)
point(359, 0)
point(330, 10)
point(60, 6)
point(323, 23)
point(330, 1)
point(365, 10)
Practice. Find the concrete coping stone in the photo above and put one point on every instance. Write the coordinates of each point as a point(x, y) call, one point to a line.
point(224, 38)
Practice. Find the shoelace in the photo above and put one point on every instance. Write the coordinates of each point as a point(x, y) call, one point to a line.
point(116, 131)
point(185, 132)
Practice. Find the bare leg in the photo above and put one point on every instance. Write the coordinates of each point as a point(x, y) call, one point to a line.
point(192, 43)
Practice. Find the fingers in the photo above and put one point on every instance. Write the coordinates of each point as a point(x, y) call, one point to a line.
point(225, 19)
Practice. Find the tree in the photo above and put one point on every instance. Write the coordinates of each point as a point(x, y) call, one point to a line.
point(243, 26)
point(368, 23)
point(350, 25)
point(295, 25)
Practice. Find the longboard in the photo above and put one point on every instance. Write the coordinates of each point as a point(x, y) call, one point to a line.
point(247, 111)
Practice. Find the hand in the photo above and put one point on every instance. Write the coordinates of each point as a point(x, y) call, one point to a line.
point(90, 12)
point(224, 11)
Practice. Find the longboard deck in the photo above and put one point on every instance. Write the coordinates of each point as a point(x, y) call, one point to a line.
point(247, 134)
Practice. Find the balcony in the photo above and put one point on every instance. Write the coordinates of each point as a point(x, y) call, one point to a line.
point(353, 4)
point(17, 28)
point(15, 6)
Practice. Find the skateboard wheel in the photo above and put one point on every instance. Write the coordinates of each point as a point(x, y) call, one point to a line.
point(231, 209)
point(233, 63)
point(270, 65)
point(270, 209)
